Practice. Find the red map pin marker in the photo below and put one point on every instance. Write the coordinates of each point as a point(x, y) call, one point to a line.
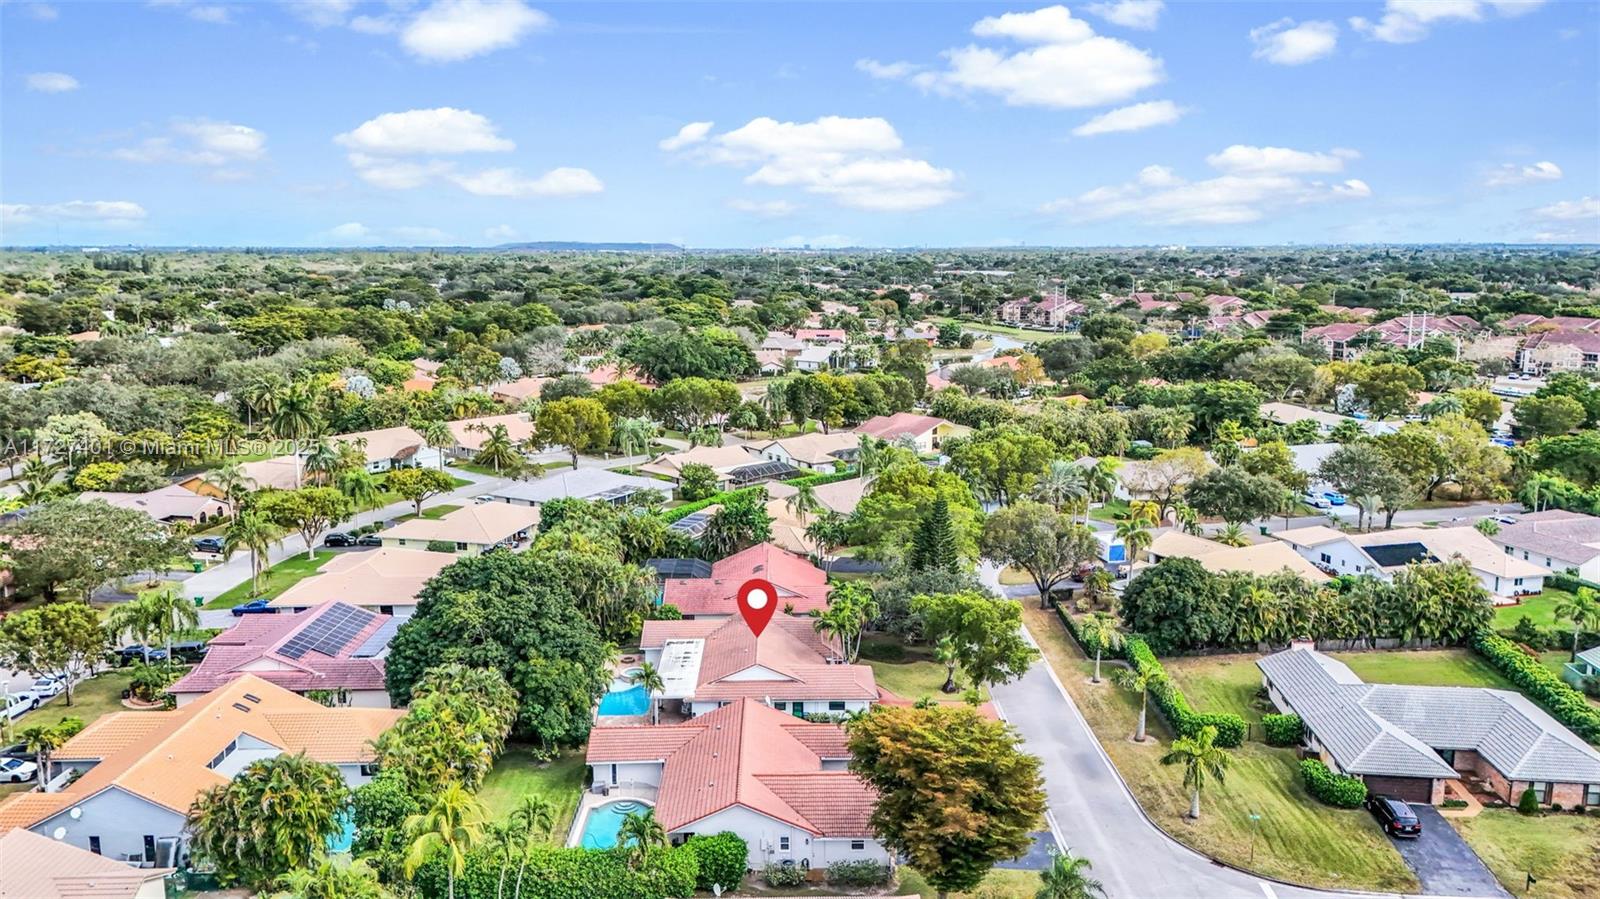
point(757, 600)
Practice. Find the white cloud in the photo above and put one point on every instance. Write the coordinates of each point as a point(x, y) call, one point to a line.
point(560, 182)
point(1143, 14)
point(1409, 21)
point(1131, 118)
point(398, 174)
point(1065, 65)
point(1244, 160)
point(42, 12)
point(94, 213)
point(453, 30)
point(1569, 221)
point(857, 163)
point(692, 133)
point(1510, 174)
point(500, 232)
point(767, 209)
point(199, 142)
point(1570, 210)
point(1287, 44)
point(200, 12)
point(51, 82)
point(418, 131)
point(1255, 182)
point(350, 231)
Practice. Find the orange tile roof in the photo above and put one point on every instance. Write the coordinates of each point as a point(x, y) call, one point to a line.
point(800, 583)
point(789, 647)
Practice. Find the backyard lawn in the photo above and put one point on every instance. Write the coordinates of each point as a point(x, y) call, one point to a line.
point(1297, 839)
point(275, 580)
point(516, 774)
point(1561, 851)
point(1427, 668)
point(432, 513)
point(1540, 609)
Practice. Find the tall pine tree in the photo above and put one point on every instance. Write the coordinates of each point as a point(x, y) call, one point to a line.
point(934, 547)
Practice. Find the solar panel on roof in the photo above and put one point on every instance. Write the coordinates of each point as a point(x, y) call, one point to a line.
point(1399, 554)
point(329, 633)
point(378, 641)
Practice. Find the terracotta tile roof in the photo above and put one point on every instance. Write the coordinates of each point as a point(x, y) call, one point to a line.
point(479, 523)
point(37, 867)
point(888, 427)
point(520, 389)
point(789, 647)
point(1337, 331)
point(387, 576)
point(743, 754)
point(800, 583)
point(168, 764)
point(259, 650)
point(813, 449)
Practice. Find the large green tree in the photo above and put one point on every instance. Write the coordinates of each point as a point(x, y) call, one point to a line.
point(580, 424)
point(1001, 464)
point(72, 547)
point(1045, 543)
point(455, 727)
point(418, 485)
point(274, 816)
point(1235, 495)
point(309, 511)
point(60, 637)
point(986, 634)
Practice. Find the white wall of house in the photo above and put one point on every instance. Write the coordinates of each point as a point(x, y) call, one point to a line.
point(625, 773)
point(119, 819)
point(772, 841)
point(1342, 556)
point(696, 708)
point(1589, 570)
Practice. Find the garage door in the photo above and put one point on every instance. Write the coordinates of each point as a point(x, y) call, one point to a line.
point(1409, 789)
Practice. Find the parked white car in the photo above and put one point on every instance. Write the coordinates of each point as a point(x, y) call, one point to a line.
point(48, 687)
point(18, 704)
point(15, 771)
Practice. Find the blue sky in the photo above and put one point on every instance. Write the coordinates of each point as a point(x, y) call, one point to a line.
point(886, 124)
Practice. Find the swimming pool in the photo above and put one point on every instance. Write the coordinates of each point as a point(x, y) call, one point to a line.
point(346, 837)
point(600, 828)
point(624, 699)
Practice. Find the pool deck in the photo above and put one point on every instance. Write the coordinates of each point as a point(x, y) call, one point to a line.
point(591, 799)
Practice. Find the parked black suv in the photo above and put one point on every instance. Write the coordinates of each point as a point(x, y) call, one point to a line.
point(208, 544)
point(369, 540)
point(127, 655)
point(1396, 817)
point(16, 751)
point(338, 539)
point(192, 651)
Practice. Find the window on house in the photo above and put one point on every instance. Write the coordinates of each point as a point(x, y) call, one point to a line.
point(369, 770)
point(781, 706)
point(783, 844)
point(835, 705)
point(858, 844)
point(1591, 794)
point(1541, 789)
point(94, 845)
point(1326, 558)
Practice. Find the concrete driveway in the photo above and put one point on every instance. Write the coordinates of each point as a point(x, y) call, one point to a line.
point(1443, 862)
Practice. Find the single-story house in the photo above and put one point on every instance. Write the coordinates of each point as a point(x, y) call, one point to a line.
point(789, 529)
point(335, 648)
point(1382, 553)
point(707, 663)
point(801, 585)
point(473, 529)
point(817, 452)
point(137, 773)
point(814, 358)
point(513, 393)
point(926, 431)
point(471, 433)
point(1408, 741)
point(1258, 559)
point(721, 459)
point(779, 782)
point(579, 483)
point(383, 580)
point(1290, 413)
point(384, 449)
point(36, 867)
point(168, 504)
point(1555, 540)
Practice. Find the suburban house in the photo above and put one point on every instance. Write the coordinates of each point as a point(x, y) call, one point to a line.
point(139, 772)
point(1290, 413)
point(1582, 668)
point(1339, 339)
point(335, 650)
point(1258, 559)
point(816, 358)
point(471, 433)
point(779, 782)
point(384, 449)
point(734, 466)
point(1555, 540)
point(1046, 312)
point(513, 393)
point(707, 663)
point(598, 484)
point(925, 431)
point(801, 585)
point(1564, 349)
point(471, 529)
point(1382, 553)
point(789, 528)
point(816, 452)
point(1409, 741)
point(168, 504)
point(37, 867)
point(383, 580)
point(820, 335)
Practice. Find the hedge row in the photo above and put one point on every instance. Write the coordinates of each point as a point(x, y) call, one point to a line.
point(817, 480)
point(1283, 730)
point(687, 509)
point(1332, 789)
point(569, 874)
point(1567, 582)
point(1185, 721)
point(1541, 684)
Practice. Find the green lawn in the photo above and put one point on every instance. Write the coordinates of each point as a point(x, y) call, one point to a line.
point(91, 699)
point(1109, 511)
point(1540, 609)
point(517, 774)
point(432, 513)
point(1296, 838)
point(277, 579)
point(1428, 668)
point(1562, 851)
point(914, 679)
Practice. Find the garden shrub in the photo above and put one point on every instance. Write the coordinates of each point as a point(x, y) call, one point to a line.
point(783, 875)
point(817, 480)
point(1453, 803)
point(1540, 684)
point(1528, 802)
point(570, 874)
point(670, 515)
point(1283, 730)
point(863, 873)
point(722, 859)
point(1332, 789)
point(1568, 582)
point(441, 546)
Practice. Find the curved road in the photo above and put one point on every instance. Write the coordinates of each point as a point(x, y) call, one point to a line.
point(1092, 812)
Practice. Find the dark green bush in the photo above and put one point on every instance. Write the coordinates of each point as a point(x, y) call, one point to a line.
point(723, 859)
point(1528, 802)
point(1333, 789)
point(570, 874)
point(1283, 730)
point(783, 875)
point(863, 873)
point(1540, 684)
point(687, 509)
point(441, 546)
point(817, 480)
point(1175, 706)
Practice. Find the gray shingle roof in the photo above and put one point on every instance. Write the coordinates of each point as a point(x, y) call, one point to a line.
point(1396, 730)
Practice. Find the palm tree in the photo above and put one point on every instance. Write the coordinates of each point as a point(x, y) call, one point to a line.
point(42, 740)
point(38, 480)
point(803, 502)
point(640, 832)
point(1582, 609)
point(500, 838)
point(231, 480)
point(1135, 682)
point(1188, 519)
point(946, 654)
point(453, 823)
point(295, 416)
point(328, 879)
point(1135, 537)
point(634, 435)
point(828, 533)
point(437, 434)
point(1101, 629)
point(260, 397)
point(1203, 761)
point(171, 614)
point(871, 456)
point(323, 460)
point(1101, 479)
point(1063, 485)
point(134, 617)
point(1488, 527)
point(1231, 535)
point(649, 677)
point(498, 450)
point(1068, 878)
point(535, 816)
point(361, 487)
point(256, 535)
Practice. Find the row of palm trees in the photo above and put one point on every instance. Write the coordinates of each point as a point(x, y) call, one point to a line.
point(455, 823)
